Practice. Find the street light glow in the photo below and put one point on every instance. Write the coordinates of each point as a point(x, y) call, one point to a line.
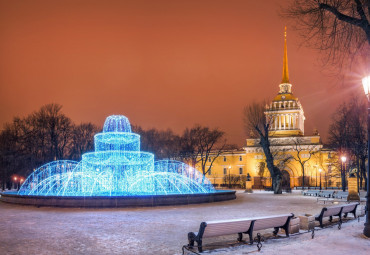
point(344, 159)
point(366, 84)
point(320, 170)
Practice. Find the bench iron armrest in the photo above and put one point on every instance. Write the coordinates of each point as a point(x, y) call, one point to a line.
point(321, 215)
point(197, 237)
point(286, 225)
point(249, 232)
point(353, 211)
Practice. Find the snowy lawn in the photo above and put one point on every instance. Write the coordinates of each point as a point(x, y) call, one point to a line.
point(163, 230)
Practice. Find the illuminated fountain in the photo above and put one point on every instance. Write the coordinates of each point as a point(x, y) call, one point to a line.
point(117, 168)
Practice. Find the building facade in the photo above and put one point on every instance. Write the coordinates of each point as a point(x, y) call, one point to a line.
point(294, 152)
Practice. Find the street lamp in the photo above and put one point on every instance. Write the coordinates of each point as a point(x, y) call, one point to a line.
point(229, 177)
point(15, 181)
point(320, 177)
point(366, 84)
point(343, 172)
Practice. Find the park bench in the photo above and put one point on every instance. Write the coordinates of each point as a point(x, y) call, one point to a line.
point(336, 211)
point(311, 193)
point(350, 208)
point(240, 227)
point(341, 194)
point(326, 193)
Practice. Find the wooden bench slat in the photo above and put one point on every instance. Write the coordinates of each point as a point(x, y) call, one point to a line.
point(226, 228)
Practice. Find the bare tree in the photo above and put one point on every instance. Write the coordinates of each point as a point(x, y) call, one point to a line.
point(82, 139)
point(40, 137)
point(165, 144)
point(255, 122)
point(339, 27)
point(234, 180)
point(203, 145)
point(303, 152)
point(347, 134)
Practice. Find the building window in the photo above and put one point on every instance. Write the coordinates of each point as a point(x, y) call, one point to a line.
point(240, 158)
point(225, 171)
point(240, 170)
point(209, 159)
point(224, 159)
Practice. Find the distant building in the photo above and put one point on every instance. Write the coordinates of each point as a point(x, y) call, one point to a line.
point(288, 141)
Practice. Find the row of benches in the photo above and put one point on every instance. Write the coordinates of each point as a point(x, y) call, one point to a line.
point(317, 188)
point(250, 225)
point(326, 193)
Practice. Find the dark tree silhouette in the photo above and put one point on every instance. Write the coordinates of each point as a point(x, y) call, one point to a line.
point(341, 28)
point(255, 122)
point(202, 145)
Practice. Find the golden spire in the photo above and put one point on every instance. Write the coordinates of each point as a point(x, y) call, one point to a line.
point(285, 62)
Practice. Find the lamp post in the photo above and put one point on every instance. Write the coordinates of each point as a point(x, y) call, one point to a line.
point(343, 172)
point(21, 180)
point(320, 177)
point(316, 179)
point(15, 182)
point(229, 177)
point(366, 84)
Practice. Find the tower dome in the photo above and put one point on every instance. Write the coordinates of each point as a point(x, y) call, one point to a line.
point(117, 123)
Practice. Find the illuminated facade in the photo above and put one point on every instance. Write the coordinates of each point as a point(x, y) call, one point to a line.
point(288, 142)
point(116, 168)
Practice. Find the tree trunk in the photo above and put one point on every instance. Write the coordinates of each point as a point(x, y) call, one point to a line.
point(361, 172)
point(274, 171)
point(344, 178)
point(302, 166)
point(277, 182)
point(358, 174)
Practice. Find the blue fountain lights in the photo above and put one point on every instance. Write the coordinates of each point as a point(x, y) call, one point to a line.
point(116, 168)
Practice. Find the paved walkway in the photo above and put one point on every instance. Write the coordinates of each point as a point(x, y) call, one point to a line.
point(162, 230)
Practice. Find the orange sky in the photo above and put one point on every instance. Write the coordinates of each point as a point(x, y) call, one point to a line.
point(163, 64)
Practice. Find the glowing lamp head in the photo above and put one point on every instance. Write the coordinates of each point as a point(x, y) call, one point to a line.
point(344, 159)
point(15, 178)
point(320, 170)
point(366, 84)
point(117, 123)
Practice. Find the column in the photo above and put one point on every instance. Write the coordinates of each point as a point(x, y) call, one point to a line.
point(279, 121)
point(284, 121)
point(290, 121)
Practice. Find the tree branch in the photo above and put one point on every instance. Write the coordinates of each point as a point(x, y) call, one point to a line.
point(354, 21)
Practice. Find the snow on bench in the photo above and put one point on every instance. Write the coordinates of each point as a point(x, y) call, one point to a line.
point(326, 193)
point(311, 193)
point(350, 208)
point(336, 211)
point(239, 226)
point(341, 194)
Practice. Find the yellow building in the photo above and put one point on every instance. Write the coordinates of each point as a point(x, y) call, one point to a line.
point(289, 145)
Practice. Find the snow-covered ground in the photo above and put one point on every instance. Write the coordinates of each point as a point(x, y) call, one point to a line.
point(163, 230)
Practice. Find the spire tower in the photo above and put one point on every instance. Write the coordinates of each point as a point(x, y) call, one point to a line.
point(285, 78)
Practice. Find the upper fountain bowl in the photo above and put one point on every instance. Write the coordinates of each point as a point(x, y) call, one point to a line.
point(117, 123)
